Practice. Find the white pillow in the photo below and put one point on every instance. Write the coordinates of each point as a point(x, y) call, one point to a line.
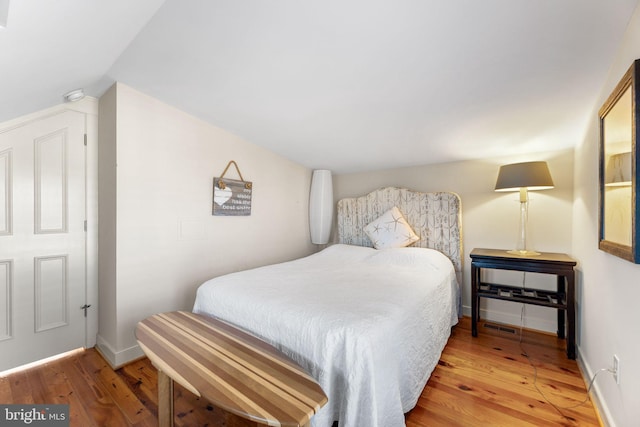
point(390, 230)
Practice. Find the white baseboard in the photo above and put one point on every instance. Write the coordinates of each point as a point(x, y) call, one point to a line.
point(531, 322)
point(598, 402)
point(117, 359)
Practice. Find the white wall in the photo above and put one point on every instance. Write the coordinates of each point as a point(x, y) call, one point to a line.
point(107, 308)
point(490, 219)
point(609, 286)
point(159, 236)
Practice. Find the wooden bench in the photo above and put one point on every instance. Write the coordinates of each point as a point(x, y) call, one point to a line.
point(247, 378)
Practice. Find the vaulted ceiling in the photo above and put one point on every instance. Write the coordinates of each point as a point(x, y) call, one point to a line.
point(348, 85)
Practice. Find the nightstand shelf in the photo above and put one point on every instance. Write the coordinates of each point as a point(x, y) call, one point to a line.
point(562, 299)
point(527, 296)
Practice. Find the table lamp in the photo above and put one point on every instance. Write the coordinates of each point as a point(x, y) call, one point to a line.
point(618, 172)
point(524, 177)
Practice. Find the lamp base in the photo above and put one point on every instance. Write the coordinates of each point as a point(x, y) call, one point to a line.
point(523, 253)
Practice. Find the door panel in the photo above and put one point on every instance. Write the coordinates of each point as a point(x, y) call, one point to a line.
point(5, 299)
point(50, 292)
point(42, 250)
point(5, 192)
point(51, 183)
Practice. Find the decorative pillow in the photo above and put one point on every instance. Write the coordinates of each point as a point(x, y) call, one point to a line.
point(390, 230)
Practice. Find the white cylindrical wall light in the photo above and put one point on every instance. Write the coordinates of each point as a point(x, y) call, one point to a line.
point(321, 206)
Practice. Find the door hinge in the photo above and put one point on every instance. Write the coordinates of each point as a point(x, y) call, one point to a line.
point(85, 139)
point(85, 225)
point(85, 307)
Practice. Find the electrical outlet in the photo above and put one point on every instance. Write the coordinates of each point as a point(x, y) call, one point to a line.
point(616, 368)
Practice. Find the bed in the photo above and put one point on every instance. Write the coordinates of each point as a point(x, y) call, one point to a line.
point(369, 325)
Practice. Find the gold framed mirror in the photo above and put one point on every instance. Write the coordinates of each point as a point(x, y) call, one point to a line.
point(618, 159)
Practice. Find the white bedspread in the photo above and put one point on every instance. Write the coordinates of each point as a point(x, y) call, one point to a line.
point(369, 325)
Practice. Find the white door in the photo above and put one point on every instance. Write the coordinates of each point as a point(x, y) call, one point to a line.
point(42, 238)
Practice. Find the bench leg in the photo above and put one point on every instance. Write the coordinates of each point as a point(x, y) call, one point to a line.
point(165, 400)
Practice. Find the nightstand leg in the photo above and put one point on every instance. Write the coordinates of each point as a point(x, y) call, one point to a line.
point(571, 315)
point(475, 282)
point(561, 313)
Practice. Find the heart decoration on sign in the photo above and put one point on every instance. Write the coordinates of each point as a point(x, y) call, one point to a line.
point(230, 196)
point(221, 196)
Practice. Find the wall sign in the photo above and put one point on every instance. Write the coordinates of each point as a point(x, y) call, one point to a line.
point(231, 197)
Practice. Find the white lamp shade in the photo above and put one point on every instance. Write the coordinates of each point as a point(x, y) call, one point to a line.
point(321, 206)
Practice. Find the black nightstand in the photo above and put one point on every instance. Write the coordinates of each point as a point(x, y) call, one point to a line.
point(563, 299)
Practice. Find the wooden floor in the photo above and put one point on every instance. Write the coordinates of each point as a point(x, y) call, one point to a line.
point(488, 381)
point(484, 381)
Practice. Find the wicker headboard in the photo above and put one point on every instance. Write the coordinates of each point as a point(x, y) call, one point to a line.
point(435, 218)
